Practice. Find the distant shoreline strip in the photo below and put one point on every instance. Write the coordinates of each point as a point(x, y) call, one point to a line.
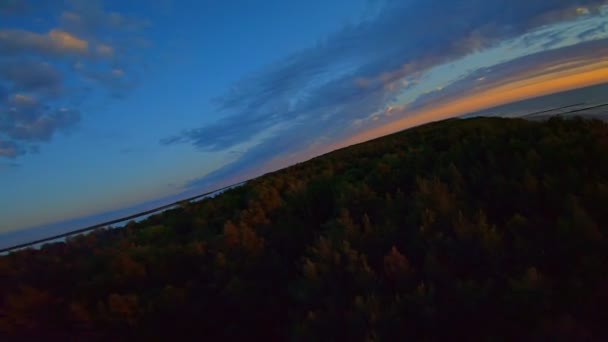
point(108, 223)
point(552, 109)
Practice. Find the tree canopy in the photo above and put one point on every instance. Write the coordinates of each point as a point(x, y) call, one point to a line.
point(476, 229)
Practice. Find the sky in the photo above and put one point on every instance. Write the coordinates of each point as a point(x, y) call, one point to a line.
point(109, 107)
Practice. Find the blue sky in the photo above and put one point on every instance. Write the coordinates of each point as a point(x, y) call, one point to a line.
point(114, 105)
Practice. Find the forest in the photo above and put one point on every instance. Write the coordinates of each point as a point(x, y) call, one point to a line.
point(488, 229)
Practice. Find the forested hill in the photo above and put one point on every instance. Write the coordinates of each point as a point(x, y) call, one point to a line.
point(477, 229)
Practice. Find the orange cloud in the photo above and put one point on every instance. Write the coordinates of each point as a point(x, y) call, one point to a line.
point(56, 42)
point(67, 42)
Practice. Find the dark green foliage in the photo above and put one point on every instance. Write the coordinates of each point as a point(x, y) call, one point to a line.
point(478, 229)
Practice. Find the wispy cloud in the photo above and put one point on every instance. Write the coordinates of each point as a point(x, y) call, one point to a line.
point(321, 91)
point(45, 74)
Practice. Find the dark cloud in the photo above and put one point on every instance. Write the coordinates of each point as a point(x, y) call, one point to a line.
point(29, 111)
point(223, 134)
point(26, 120)
point(44, 126)
point(30, 76)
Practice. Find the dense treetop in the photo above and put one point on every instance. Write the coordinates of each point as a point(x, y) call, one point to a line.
point(478, 229)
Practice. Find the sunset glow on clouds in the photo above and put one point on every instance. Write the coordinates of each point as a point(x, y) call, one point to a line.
point(522, 89)
point(88, 89)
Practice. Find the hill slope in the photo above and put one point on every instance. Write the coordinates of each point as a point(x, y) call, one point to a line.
point(486, 228)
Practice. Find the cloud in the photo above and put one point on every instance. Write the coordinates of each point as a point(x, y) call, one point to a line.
point(251, 163)
point(46, 74)
point(43, 126)
point(30, 76)
point(28, 110)
point(546, 63)
point(524, 86)
point(66, 41)
point(376, 53)
point(600, 30)
point(322, 90)
point(24, 119)
point(221, 135)
point(55, 42)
